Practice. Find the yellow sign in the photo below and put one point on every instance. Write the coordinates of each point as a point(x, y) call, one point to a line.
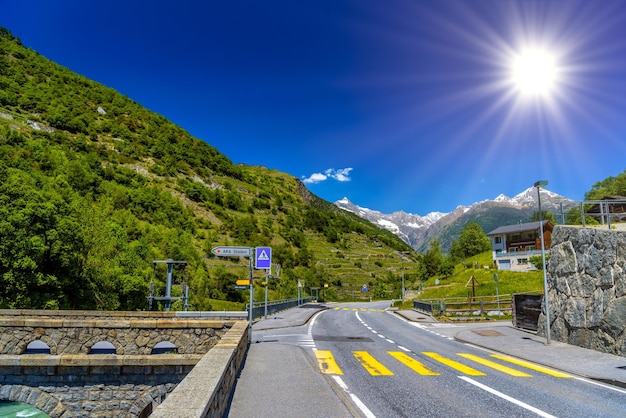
point(245, 282)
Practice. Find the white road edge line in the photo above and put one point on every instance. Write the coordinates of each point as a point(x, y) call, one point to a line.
point(616, 389)
point(366, 411)
point(507, 397)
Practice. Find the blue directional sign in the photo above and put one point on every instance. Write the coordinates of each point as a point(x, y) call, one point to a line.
point(364, 288)
point(263, 257)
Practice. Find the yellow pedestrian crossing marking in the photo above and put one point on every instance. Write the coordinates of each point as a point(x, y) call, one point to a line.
point(328, 365)
point(413, 364)
point(337, 308)
point(494, 365)
point(327, 362)
point(454, 364)
point(532, 366)
point(373, 366)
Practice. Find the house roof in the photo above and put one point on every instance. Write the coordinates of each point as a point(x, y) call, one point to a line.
point(521, 227)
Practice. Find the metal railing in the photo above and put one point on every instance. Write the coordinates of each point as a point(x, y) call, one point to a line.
point(425, 307)
point(604, 212)
point(258, 308)
point(517, 253)
point(463, 306)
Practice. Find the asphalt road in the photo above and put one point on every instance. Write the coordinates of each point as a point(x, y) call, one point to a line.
point(380, 365)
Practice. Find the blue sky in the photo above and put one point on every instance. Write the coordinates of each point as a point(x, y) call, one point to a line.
point(397, 105)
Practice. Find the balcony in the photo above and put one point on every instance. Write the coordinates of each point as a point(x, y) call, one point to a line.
point(520, 254)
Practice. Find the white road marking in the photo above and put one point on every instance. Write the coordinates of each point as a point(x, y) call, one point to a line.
point(507, 397)
point(359, 404)
point(616, 389)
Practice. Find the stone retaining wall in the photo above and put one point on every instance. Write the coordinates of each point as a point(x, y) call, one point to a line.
point(587, 289)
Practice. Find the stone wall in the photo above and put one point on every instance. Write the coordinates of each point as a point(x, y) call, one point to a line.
point(131, 333)
point(587, 289)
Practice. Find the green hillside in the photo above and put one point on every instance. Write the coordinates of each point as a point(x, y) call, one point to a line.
point(456, 285)
point(94, 187)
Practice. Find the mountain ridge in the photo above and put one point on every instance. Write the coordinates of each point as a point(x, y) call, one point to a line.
point(418, 230)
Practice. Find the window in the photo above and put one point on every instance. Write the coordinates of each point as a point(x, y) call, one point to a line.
point(522, 261)
point(164, 347)
point(498, 240)
point(37, 347)
point(103, 347)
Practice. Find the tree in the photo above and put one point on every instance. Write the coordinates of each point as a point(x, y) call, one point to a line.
point(472, 241)
point(433, 258)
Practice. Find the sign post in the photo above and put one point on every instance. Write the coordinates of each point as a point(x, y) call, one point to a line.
point(263, 260)
point(495, 279)
point(230, 251)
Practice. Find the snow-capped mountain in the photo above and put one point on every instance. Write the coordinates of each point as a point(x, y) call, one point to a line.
point(418, 230)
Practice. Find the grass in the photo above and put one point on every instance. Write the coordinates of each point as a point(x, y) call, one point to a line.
point(224, 305)
point(459, 284)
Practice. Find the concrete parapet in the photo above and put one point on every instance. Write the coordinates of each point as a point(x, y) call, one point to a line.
point(206, 389)
point(79, 360)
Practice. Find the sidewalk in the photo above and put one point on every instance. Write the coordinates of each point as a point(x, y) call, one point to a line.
point(276, 380)
point(505, 339)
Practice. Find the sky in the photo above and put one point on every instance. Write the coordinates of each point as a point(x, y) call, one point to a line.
point(413, 105)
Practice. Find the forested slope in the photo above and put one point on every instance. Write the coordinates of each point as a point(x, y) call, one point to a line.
point(94, 187)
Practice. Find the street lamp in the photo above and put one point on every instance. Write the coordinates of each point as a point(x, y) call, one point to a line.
point(539, 184)
point(402, 258)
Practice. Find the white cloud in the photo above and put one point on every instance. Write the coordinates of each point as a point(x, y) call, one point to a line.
point(342, 174)
point(315, 178)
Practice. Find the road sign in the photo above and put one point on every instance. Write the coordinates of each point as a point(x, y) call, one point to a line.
point(364, 288)
point(263, 257)
point(241, 287)
point(232, 251)
point(243, 282)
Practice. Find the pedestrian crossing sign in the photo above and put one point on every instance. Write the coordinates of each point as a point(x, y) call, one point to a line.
point(263, 257)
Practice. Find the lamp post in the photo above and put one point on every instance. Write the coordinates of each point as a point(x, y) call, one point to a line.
point(402, 258)
point(539, 184)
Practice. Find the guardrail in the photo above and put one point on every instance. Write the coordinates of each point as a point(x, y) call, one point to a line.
point(258, 308)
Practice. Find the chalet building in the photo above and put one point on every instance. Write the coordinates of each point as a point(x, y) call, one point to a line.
point(513, 245)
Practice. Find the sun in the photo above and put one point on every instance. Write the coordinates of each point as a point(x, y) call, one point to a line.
point(534, 72)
